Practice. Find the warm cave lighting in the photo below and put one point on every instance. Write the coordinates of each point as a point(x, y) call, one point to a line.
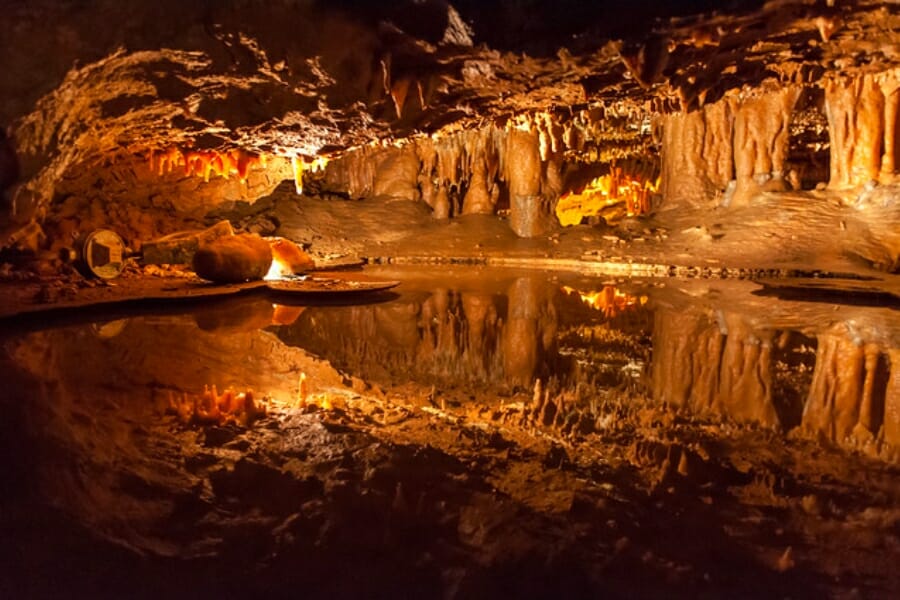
point(610, 300)
point(278, 270)
point(300, 165)
point(212, 408)
point(605, 191)
point(305, 399)
point(206, 163)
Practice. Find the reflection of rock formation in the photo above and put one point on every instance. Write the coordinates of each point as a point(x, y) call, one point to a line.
point(449, 337)
point(723, 365)
point(854, 393)
point(720, 366)
point(94, 408)
point(529, 338)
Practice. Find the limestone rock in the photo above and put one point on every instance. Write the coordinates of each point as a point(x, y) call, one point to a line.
point(244, 257)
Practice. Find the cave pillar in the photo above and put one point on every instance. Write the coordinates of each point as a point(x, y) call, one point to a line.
point(890, 88)
point(704, 150)
point(685, 181)
point(761, 139)
point(856, 113)
point(530, 213)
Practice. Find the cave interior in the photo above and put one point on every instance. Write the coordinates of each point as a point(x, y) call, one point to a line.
point(450, 298)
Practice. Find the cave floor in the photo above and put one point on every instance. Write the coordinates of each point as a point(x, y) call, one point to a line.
point(391, 483)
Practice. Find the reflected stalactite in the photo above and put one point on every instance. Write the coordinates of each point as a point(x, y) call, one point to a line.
point(529, 338)
point(892, 401)
point(718, 365)
point(448, 337)
point(849, 392)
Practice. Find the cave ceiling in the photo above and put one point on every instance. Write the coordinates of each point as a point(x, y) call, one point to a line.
point(296, 78)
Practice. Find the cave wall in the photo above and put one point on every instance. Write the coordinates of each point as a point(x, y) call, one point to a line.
point(410, 106)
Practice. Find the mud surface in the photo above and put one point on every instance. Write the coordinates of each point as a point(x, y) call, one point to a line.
point(488, 433)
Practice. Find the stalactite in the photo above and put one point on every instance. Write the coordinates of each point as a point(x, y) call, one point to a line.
point(471, 171)
point(206, 163)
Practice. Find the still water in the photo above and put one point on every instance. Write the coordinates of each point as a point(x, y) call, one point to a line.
point(718, 348)
point(106, 464)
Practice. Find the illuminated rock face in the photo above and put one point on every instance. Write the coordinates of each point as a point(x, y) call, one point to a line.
point(411, 104)
point(741, 143)
point(862, 120)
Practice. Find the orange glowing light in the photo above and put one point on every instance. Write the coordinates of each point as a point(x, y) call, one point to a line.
point(321, 400)
point(212, 408)
point(207, 163)
point(609, 300)
point(299, 164)
point(604, 191)
point(278, 270)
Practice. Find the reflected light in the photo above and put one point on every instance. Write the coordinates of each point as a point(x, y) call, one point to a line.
point(609, 300)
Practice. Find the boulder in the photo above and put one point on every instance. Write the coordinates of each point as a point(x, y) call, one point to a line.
point(233, 259)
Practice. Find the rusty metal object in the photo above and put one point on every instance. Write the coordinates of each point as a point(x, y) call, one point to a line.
point(100, 253)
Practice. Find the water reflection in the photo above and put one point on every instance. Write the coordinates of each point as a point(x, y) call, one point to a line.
point(85, 429)
point(779, 364)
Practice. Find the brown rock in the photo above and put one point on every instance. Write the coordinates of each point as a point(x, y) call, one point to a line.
point(234, 259)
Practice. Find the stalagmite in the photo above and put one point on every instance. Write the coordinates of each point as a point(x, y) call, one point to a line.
point(529, 215)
